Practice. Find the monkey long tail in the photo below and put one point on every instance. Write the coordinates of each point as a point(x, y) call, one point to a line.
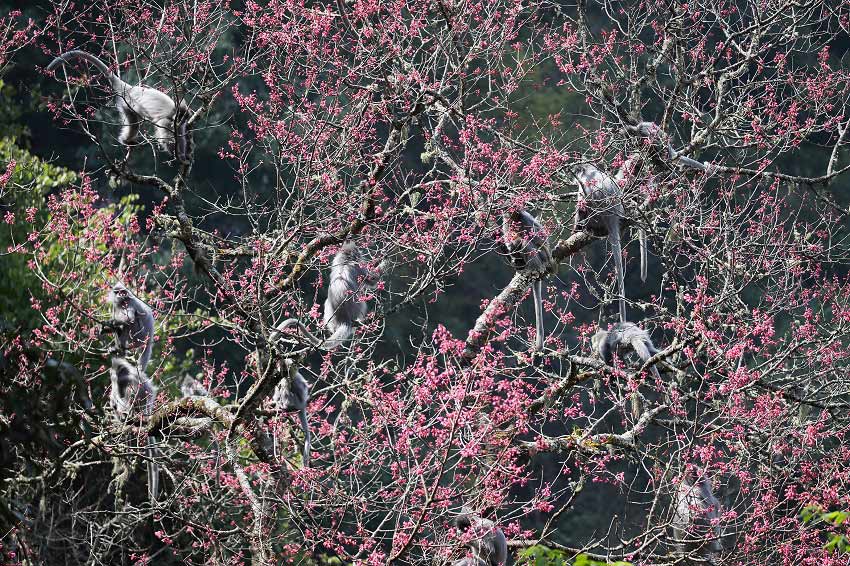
point(614, 238)
point(686, 161)
point(302, 416)
point(114, 80)
point(537, 291)
point(637, 405)
point(289, 323)
point(153, 472)
point(145, 358)
point(644, 254)
point(153, 467)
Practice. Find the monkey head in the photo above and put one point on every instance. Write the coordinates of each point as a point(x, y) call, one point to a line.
point(587, 175)
point(120, 295)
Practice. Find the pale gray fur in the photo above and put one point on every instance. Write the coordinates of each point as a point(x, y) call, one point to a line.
point(489, 544)
point(342, 305)
point(622, 335)
point(526, 244)
point(651, 129)
point(141, 103)
point(295, 398)
point(191, 387)
point(133, 390)
point(599, 211)
point(695, 509)
point(469, 561)
point(134, 321)
point(606, 343)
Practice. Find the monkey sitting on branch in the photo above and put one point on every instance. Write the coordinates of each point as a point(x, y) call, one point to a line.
point(343, 307)
point(525, 242)
point(600, 211)
point(622, 336)
point(291, 397)
point(488, 545)
point(132, 323)
point(696, 514)
point(133, 390)
point(191, 387)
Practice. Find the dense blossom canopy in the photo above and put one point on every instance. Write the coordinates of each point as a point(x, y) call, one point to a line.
point(412, 128)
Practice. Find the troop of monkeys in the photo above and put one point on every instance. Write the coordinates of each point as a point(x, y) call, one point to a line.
point(599, 211)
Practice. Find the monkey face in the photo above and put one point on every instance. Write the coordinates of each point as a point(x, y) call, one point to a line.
point(122, 296)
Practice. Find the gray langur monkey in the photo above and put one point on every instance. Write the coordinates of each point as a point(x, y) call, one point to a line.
point(696, 508)
point(132, 390)
point(606, 343)
point(133, 323)
point(142, 103)
point(622, 335)
point(342, 306)
point(599, 210)
point(489, 544)
point(295, 397)
point(653, 130)
point(191, 387)
point(526, 244)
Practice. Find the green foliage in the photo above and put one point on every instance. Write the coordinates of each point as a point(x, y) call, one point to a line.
point(31, 180)
point(544, 107)
point(814, 515)
point(540, 555)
